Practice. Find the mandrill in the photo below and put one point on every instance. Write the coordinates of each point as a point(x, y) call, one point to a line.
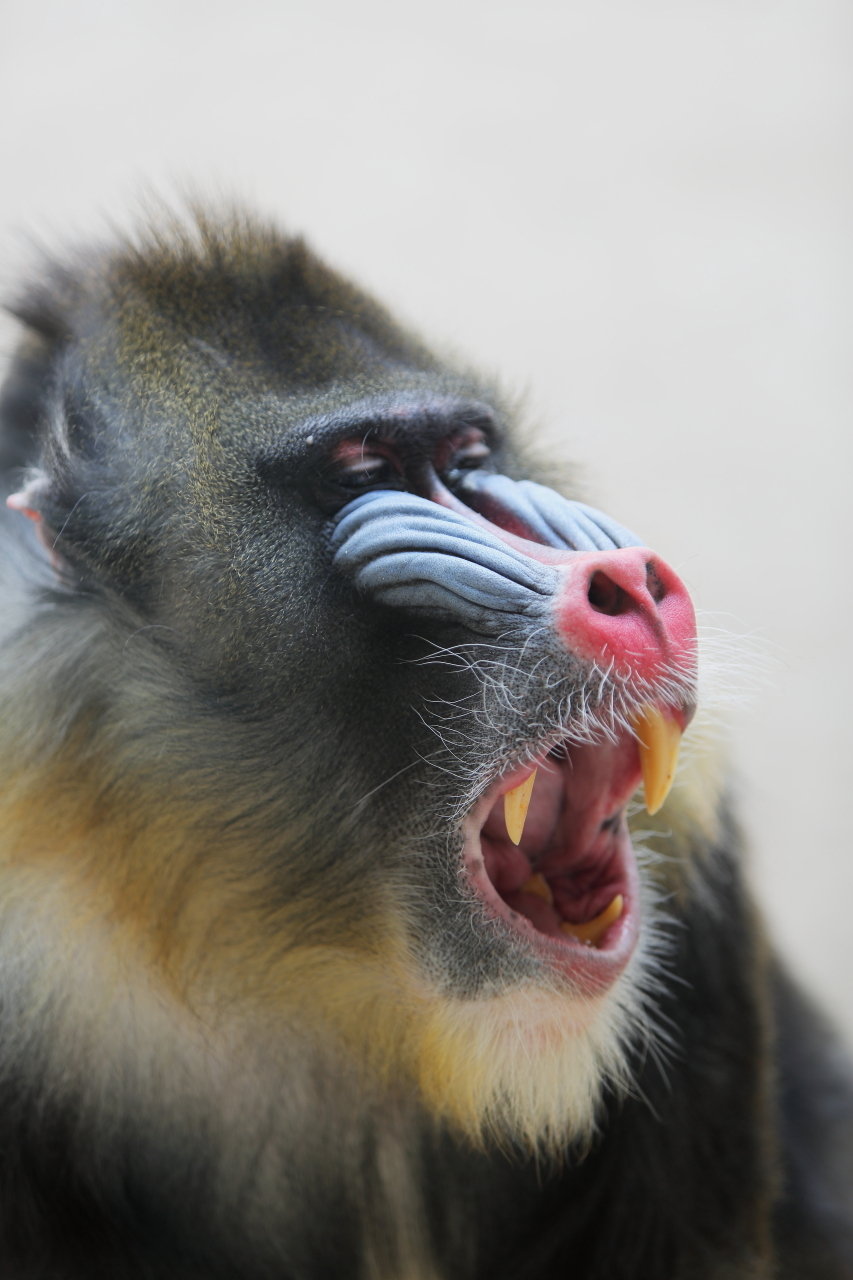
point(337, 937)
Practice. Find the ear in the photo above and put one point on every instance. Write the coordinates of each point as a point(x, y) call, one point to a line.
point(18, 502)
point(27, 503)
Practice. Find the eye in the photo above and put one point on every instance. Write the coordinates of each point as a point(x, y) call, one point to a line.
point(364, 474)
point(466, 450)
point(356, 467)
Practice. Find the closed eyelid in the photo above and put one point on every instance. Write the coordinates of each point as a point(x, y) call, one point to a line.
point(356, 452)
point(471, 441)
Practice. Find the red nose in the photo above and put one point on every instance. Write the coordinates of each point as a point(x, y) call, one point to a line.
point(627, 608)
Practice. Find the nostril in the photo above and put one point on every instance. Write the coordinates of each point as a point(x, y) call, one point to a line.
point(625, 606)
point(605, 596)
point(654, 584)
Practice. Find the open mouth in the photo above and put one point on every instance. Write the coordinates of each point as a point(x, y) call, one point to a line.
point(549, 852)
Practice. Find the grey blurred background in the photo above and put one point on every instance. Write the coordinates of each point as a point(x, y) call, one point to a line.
point(637, 212)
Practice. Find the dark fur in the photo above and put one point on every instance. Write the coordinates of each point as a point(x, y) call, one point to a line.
point(196, 648)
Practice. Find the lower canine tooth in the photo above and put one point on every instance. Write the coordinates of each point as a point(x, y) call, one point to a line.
point(539, 887)
point(516, 803)
point(592, 931)
point(659, 737)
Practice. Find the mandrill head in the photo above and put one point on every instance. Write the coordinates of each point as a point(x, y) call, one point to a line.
point(347, 711)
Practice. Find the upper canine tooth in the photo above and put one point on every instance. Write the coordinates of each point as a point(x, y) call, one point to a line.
point(659, 737)
point(516, 803)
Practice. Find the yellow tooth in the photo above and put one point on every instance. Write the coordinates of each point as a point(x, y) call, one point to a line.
point(516, 803)
point(539, 887)
point(592, 931)
point(659, 737)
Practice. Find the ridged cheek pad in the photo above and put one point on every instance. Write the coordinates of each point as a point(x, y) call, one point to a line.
point(531, 510)
point(414, 554)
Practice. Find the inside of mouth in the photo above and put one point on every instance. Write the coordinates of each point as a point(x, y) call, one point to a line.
point(567, 876)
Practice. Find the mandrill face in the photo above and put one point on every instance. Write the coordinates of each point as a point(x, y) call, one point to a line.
point(398, 696)
point(595, 640)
